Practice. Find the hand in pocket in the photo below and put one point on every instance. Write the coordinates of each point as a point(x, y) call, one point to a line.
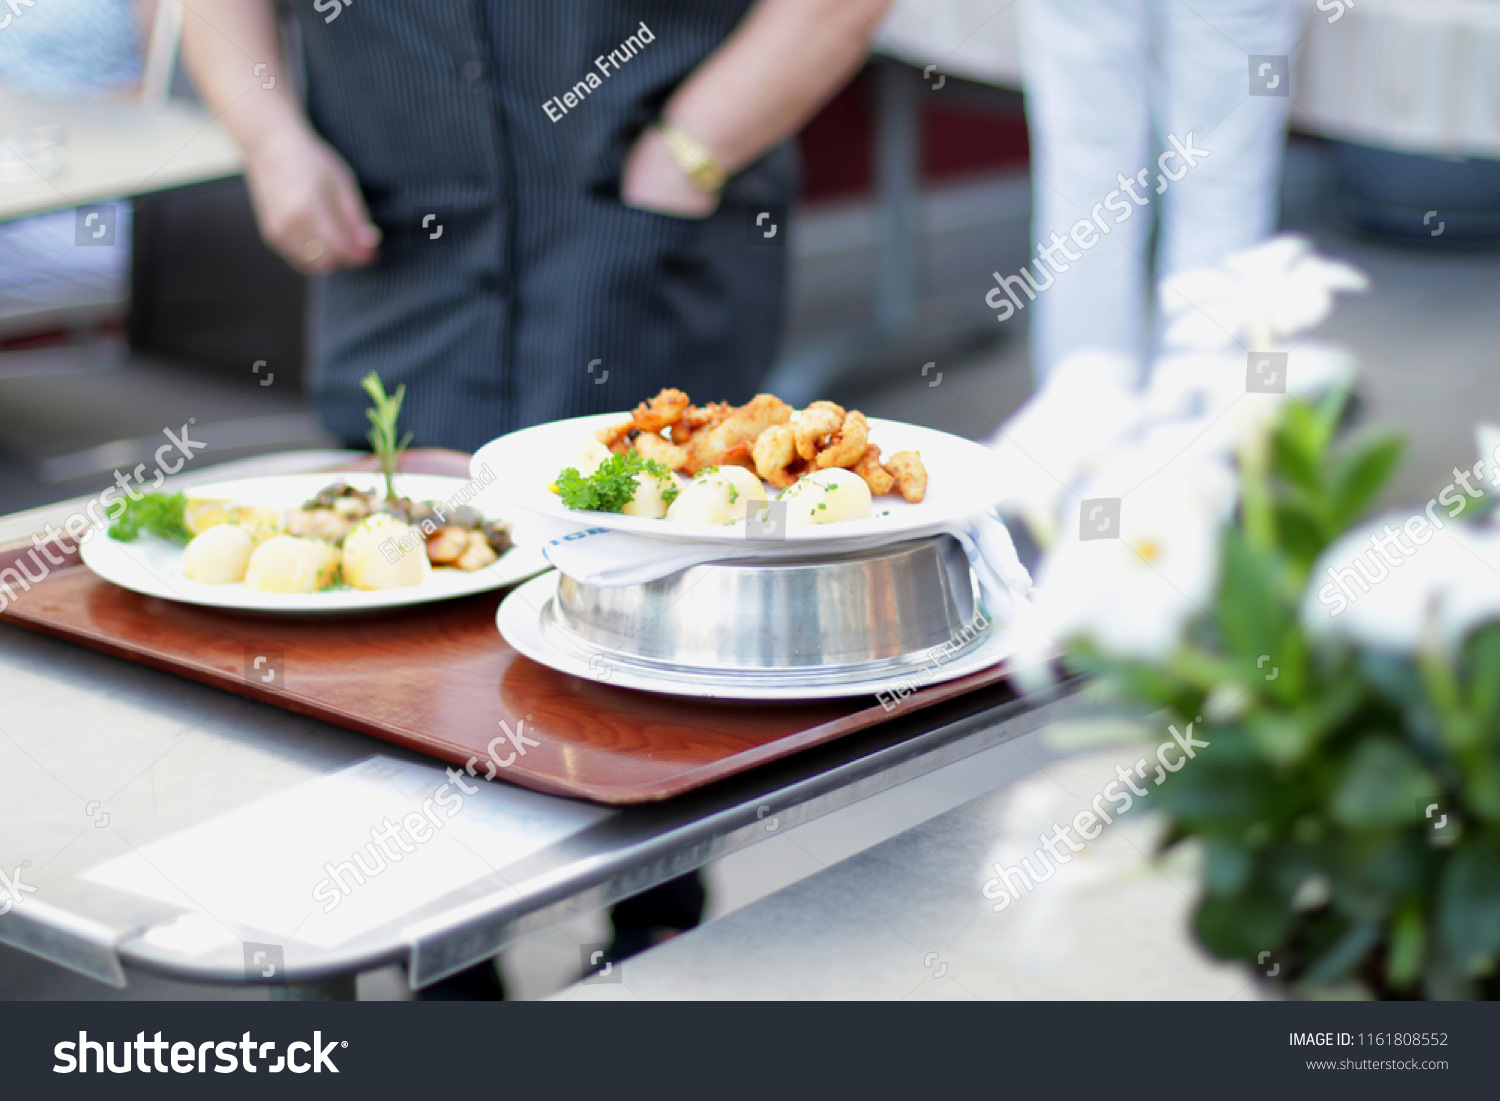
point(653, 181)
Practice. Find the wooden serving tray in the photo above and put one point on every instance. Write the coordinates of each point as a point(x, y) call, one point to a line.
point(439, 679)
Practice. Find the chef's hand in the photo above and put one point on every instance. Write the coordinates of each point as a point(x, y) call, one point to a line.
point(307, 203)
point(652, 180)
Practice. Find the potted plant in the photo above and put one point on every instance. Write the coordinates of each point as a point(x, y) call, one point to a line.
point(1347, 803)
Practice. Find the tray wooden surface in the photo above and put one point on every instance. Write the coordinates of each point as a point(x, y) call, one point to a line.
point(439, 679)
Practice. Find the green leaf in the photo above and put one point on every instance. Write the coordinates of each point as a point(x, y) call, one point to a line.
point(1482, 656)
point(162, 514)
point(1281, 738)
point(1302, 530)
point(1373, 869)
point(1408, 941)
point(1226, 866)
point(1329, 414)
point(1243, 926)
point(1396, 680)
point(1304, 432)
point(1469, 905)
point(1206, 792)
point(1381, 786)
point(1288, 736)
point(1249, 613)
point(1482, 788)
point(609, 488)
point(1345, 953)
point(382, 434)
point(1294, 450)
point(1360, 475)
point(1288, 684)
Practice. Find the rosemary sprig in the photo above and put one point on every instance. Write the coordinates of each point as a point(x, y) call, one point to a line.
point(382, 434)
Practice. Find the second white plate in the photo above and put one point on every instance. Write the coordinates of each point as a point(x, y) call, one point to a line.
point(963, 478)
point(153, 566)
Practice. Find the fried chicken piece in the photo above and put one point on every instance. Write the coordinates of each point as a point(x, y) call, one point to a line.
point(663, 411)
point(846, 446)
point(444, 547)
point(741, 454)
point(878, 478)
point(775, 455)
point(615, 437)
point(730, 441)
point(477, 555)
point(652, 446)
point(319, 523)
point(818, 421)
point(911, 476)
point(697, 418)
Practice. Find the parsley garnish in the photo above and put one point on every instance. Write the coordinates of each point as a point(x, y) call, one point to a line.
point(611, 487)
point(159, 513)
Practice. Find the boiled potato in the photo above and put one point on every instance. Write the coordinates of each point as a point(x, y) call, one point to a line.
point(199, 514)
point(719, 495)
point(588, 456)
point(384, 553)
point(219, 555)
point(650, 500)
point(262, 522)
point(287, 564)
point(827, 497)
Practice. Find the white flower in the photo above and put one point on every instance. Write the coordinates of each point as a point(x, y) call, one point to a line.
point(1477, 603)
point(1202, 383)
point(1087, 406)
point(1378, 586)
point(1214, 387)
point(1256, 298)
point(1133, 595)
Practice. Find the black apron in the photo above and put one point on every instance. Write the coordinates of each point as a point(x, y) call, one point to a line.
point(541, 296)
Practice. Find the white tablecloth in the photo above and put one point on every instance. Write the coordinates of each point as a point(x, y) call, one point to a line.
point(1421, 76)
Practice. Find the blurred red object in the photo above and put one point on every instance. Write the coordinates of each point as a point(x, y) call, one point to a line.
point(838, 145)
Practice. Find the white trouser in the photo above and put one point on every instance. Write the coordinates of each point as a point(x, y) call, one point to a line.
point(1108, 82)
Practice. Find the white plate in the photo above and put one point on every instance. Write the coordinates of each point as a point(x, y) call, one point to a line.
point(963, 478)
point(153, 566)
point(520, 619)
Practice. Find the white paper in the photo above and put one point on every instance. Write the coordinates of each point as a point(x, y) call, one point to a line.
point(255, 869)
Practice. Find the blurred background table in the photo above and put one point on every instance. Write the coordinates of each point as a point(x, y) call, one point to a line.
point(114, 149)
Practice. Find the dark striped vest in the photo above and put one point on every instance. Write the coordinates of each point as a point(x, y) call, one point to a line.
point(512, 286)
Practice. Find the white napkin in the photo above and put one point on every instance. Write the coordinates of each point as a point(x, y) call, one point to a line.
point(598, 556)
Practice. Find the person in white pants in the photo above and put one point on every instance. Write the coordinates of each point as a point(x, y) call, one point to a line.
point(1142, 107)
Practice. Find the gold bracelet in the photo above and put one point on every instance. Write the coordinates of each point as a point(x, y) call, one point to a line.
point(694, 158)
